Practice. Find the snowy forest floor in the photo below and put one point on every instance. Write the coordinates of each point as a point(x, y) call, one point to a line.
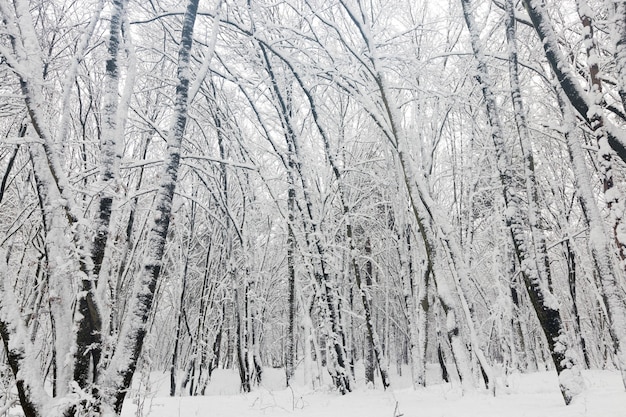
point(535, 395)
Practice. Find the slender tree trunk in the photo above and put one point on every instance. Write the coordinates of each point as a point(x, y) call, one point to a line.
point(613, 194)
point(416, 319)
point(588, 106)
point(532, 254)
point(571, 280)
point(599, 244)
point(242, 343)
point(292, 306)
point(181, 306)
point(199, 343)
point(339, 373)
point(619, 40)
point(426, 211)
point(121, 367)
point(370, 364)
point(307, 360)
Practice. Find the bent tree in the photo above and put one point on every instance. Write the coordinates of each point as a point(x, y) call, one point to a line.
point(530, 252)
point(590, 106)
point(92, 370)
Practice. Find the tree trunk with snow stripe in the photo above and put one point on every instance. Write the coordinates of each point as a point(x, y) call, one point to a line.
point(531, 253)
point(110, 385)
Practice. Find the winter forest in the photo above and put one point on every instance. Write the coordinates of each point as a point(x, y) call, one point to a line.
point(340, 190)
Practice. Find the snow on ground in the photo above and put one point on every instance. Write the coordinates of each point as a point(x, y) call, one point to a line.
point(529, 395)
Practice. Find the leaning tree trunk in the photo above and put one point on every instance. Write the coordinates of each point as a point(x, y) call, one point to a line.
point(372, 336)
point(599, 243)
point(532, 254)
point(339, 372)
point(589, 109)
point(432, 224)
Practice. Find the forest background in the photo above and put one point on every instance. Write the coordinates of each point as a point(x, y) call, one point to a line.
point(235, 184)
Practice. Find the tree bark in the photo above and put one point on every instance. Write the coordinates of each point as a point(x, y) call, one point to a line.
point(119, 372)
point(531, 254)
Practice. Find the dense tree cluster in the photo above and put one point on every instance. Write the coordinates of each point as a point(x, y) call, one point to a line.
point(308, 184)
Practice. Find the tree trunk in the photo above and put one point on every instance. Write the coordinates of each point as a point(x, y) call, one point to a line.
point(340, 374)
point(532, 254)
point(122, 365)
point(606, 139)
point(181, 307)
point(292, 306)
point(370, 366)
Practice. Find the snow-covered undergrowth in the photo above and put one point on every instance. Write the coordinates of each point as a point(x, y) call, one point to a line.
point(532, 395)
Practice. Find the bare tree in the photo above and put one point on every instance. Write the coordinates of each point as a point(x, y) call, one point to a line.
point(73, 260)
